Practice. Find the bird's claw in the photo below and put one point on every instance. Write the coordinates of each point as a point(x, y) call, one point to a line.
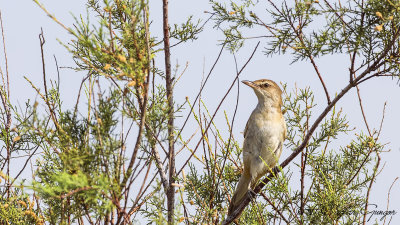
point(251, 193)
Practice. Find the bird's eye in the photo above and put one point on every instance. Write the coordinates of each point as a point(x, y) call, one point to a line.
point(265, 85)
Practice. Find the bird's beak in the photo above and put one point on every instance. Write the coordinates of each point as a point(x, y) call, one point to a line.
point(249, 83)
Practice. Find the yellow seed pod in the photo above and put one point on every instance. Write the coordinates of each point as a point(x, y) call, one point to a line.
point(17, 138)
point(31, 214)
point(22, 203)
point(99, 121)
point(215, 214)
point(183, 175)
point(370, 144)
point(378, 14)
point(378, 28)
point(122, 58)
point(181, 219)
point(107, 66)
point(132, 83)
point(191, 202)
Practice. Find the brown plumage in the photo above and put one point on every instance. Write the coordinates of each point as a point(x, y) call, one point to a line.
point(263, 138)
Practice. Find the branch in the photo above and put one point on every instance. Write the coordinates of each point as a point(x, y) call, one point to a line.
point(374, 66)
point(362, 110)
point(5, 98)
point(388, 198)
point(274, 207)
point(171, 139)
point(222, 100)
point(297, 151)
point(369, 189)
point(201, 89)
point(320, 78)
point(75, 191)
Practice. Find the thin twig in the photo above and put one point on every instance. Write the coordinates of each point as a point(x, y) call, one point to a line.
point(53, 17)
point(362, 111)
point(274, 207)
point(5, 97)
point(42, 41)
point(218, 107)
point(5, 57)
point(227, 149)
point(201, 89)
point(374, 66)
point(383, 117)
point(369, 188)
point(320, 78)
point(388, 197)
point(63, 196)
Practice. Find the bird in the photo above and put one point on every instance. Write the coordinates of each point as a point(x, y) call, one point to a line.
point(264, 135)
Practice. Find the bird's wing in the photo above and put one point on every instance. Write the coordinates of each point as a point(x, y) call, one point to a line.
point(285, 128)
point(278, 148)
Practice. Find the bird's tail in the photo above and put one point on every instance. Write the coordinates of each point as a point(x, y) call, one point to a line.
point(240, 192)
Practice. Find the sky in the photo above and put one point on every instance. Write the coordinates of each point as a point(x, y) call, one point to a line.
point(23, 21)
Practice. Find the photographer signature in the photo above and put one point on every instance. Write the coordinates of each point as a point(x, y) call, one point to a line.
point(382, 213)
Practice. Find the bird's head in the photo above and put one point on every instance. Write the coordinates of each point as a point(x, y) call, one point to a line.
point(267, 91)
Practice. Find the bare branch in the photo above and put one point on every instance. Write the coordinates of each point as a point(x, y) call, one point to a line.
point(373, 67)
point(362, 111)
point(218, 107)
point(369, 188)
point(171, 139)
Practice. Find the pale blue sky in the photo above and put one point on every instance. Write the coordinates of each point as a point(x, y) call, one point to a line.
point(22, 21)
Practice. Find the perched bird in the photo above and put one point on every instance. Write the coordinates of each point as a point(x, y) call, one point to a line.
point(263, 138)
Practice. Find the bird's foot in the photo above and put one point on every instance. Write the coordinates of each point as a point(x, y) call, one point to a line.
point(251, 194)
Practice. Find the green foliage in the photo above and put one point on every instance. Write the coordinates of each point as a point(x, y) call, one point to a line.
point(116, 45)
point(207, 190)
point(19, 209)
point(237, 17)
point(90, 167)
point(71, 176)
point(309, 29)
point(155, 208)
point(335, 181)
point(186, 31)
point(340, 181)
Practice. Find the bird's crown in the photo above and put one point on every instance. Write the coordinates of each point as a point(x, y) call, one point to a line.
point(266, 90)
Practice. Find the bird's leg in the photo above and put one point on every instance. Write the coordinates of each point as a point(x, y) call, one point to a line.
point(251, 194)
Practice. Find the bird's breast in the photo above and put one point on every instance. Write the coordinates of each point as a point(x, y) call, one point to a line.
point(264, 136)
